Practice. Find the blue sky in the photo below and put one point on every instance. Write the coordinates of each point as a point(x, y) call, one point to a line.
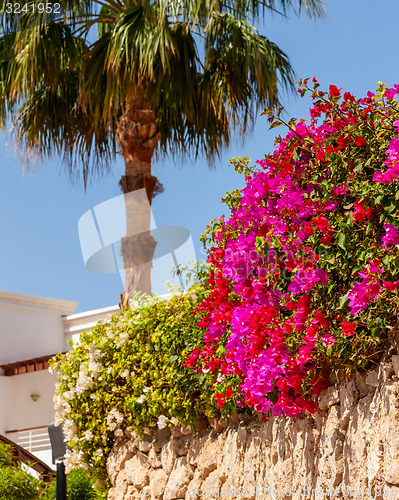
point(355, 47)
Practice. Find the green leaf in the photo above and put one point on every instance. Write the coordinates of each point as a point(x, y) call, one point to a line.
point(343, 301)
point(359, 166)
point(274, 125)
point(341, 240)
point(389, 204)
point(331, 259)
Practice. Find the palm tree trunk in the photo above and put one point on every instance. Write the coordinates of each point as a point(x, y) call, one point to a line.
point(137, 138)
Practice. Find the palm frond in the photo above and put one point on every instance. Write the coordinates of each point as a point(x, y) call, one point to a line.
point(51, 123)
point(198, 64)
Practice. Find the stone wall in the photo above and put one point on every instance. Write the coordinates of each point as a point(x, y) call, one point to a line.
point(349, 449)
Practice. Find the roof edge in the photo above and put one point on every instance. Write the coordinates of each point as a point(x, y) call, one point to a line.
point(57, 306)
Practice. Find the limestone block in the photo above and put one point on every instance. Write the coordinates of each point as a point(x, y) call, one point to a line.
point(187, 430)
point(389, 432)
point(168, 455)
point(217, 424)
point(196, 446)
point(176, 432)
point(348, 396)
point(161, 436)
point(356, 445)
point(144, 444)
point(137, 469)
point(184, 444)
point(115, 494)
point(210, 488)
point(372, 378)
point(385, 372)
point(328, 397)
point(179, 479)
point(207, 460)
point(154, 459)
point(120, 453)
point(158, 480)
point(145, 493)
point(395, 364)
point(133, 493)
point(121, 482)
point(362, 387)
point(194, 488)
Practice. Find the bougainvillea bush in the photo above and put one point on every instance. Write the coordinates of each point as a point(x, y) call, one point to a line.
point(302, 279)
point(127, 374)
point(304, 274)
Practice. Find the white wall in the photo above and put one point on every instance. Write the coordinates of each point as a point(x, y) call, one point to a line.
point(21, 411)
point(3, 403)
point(30, 326)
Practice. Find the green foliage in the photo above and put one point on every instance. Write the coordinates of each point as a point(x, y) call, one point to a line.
point(80, 486)
point(128, 374)
point(15, 483)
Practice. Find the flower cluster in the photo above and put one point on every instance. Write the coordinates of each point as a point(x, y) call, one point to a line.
point(127, 375)
point(296, 274)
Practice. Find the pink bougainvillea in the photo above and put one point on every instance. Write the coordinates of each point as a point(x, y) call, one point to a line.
point(295, 269)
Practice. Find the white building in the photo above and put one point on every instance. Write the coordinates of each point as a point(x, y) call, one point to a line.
point(32, 330)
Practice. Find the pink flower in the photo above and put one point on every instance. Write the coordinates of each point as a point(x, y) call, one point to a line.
point(390, 175)
point(340, 190)
point(363, 292)
point(393, 147)
point(391, 235)
point(328, 339)
point(390, 93)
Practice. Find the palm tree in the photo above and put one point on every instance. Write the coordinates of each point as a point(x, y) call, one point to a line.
point(139, 77)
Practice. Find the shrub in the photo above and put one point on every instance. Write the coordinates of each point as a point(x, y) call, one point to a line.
point(128, 374)
point(303, 279)
point(80, 486)
point(304, 275)
point(16, 483)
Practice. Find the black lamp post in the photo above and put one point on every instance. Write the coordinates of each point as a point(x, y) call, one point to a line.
point(58, 449)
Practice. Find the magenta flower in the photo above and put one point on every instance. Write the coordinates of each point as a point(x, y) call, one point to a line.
point(365, 291)
point(393, 147)
point(390, 93)
point(391, 235)
point(328, 339)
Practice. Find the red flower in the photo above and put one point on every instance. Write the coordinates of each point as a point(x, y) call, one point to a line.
point(334, 91)
point(221, 398)
point(389, 285)
point(348, 97)
point(348, 329)
point(343, 141)
point(360, 214)
point(360, 141)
